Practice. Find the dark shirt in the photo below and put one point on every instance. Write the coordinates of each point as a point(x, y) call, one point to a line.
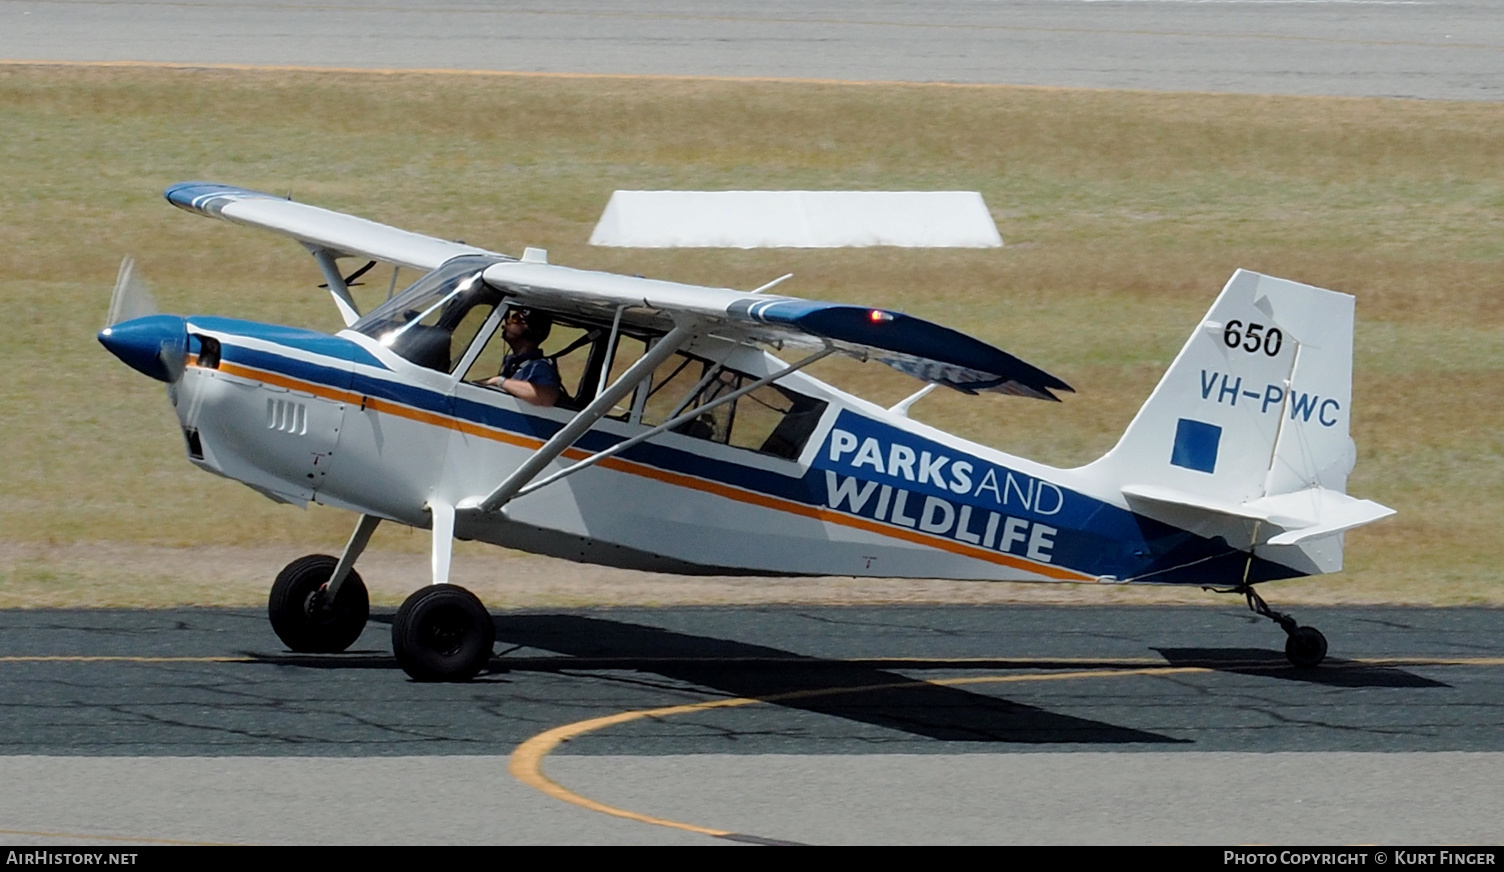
point(532, 367)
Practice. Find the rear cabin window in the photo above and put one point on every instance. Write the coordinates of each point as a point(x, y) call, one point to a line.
point(770, 419)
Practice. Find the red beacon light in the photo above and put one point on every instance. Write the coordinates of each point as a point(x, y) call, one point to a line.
point(877, 316)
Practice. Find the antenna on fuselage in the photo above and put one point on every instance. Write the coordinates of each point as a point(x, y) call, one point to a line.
point(773, 284)
point(902, 406)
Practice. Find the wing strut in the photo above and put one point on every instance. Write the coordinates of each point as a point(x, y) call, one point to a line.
point(586, 417)
point(673, 422)
point(611, 347)
point(338, 287)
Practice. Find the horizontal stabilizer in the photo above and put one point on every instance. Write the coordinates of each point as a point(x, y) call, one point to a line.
point(1302, 516)
point(339, 234)
point(1329, 511)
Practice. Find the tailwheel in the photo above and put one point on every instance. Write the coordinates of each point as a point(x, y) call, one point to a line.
point(305, 618)
point(443, 633)
point(1305, 647)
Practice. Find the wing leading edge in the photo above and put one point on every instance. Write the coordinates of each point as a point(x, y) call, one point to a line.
point(335, 232)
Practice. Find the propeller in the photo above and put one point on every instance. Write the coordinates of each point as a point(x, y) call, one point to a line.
point(131, 298)
point(152, 344)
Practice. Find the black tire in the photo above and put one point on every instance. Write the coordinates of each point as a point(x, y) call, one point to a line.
point(303, 621)
point(443, 633)
point(1306, 647)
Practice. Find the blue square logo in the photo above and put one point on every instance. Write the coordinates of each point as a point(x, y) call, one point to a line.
point(1196, 445)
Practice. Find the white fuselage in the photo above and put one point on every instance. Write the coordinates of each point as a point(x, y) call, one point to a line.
point(345, 422)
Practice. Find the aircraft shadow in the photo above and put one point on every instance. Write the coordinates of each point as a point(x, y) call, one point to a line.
point(794, 681)
point(1334, 672)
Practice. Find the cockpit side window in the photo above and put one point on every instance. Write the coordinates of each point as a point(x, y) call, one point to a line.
point(575, 350)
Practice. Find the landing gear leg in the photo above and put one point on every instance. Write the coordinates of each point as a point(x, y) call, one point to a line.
point(1304, 646)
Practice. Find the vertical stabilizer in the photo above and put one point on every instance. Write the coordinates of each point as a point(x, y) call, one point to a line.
point(1246, 436)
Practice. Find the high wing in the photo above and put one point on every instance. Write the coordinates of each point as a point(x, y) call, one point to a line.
point(339, 234)
point(327, 235)
point(911, 345)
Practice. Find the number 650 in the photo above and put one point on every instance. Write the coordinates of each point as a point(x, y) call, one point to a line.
point(1254, 338)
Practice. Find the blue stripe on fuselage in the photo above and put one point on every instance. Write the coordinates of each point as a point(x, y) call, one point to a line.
point(1084, 534)
point(311, 341)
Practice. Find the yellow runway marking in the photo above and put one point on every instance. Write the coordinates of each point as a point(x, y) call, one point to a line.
point(526, 763)
point(1428, 661)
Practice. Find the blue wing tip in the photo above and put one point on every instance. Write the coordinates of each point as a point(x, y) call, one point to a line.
point(932, 351)
point(207, 198)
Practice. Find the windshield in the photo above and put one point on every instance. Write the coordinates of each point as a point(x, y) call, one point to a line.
point(423, 322)
point(427, 292)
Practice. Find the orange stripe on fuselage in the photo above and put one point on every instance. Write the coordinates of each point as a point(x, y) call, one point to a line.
point(676, 479)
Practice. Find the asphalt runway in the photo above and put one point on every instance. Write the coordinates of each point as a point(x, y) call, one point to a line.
point(1436, 49)
point(800, 724)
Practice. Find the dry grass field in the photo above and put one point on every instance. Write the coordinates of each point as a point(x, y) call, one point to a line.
point(1123, 212)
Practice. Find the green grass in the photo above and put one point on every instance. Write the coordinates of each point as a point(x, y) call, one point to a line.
point(1124, 213)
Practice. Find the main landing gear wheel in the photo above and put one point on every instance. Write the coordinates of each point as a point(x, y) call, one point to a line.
point(303, 616)
point(1305, 647)
point(443, 633)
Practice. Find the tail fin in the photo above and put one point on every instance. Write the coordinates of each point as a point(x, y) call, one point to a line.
point(1246, 436)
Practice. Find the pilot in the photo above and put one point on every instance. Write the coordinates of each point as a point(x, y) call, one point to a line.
point(525, 372)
